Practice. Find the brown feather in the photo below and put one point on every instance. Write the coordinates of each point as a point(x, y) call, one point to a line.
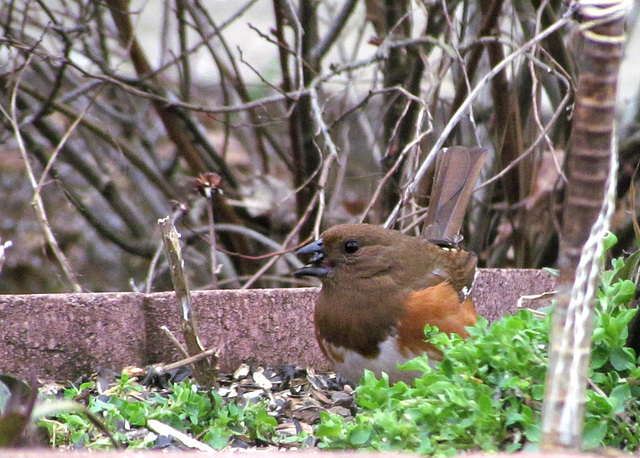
point(457, 169)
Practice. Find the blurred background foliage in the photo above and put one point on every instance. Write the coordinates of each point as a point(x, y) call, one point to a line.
point(312, 113)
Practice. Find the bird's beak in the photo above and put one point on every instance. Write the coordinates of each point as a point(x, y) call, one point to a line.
point(316, 267)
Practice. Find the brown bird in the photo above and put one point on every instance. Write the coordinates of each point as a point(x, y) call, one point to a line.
point(381, 287)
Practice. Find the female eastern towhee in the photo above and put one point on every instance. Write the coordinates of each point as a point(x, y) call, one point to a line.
point(381, 287)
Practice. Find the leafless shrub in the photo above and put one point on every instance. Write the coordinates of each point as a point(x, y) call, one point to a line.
point(312, 114)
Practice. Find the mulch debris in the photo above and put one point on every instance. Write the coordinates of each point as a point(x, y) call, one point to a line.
point(296, 395)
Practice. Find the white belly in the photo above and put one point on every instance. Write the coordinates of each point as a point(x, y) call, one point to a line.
point(353, 365)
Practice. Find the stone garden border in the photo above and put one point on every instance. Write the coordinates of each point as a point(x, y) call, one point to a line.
point(61, 336)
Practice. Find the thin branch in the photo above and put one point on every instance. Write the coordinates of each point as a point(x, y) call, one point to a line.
point(339, 23)
point(453, 121)
point(543, 130)
point(205, 371)
point(37, 202)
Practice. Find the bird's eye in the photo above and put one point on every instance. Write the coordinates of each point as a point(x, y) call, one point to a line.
point(351, 247)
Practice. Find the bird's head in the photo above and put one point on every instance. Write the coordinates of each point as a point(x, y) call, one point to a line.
point(362, 249)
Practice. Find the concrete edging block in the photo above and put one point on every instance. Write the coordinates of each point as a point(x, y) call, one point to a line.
point(61, 336)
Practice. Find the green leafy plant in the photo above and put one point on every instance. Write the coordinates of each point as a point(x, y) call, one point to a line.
point(19, 412)
point(486, 394)
point(128, 406)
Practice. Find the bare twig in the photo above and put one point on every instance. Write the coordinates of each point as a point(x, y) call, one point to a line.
point(542, 136)
point(455, 118)
point(338, 25)
point(178, 212)
point(396, 165)
point(174, 340)
point(98, 129)
point(37, 202)
point(205, 371)
point(293, 233)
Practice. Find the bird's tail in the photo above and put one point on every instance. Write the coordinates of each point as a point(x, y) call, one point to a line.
point(457, 169)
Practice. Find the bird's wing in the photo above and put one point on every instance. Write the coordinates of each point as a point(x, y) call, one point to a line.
point(437, 306)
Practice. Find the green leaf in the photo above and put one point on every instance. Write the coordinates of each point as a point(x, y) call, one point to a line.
point(265, 419)
point(593, 434)
point(446, 367)
point(625, 293)
point(360, 434)
point(627, 271)
point(619, 396)
point(217, 437)
point(537, 392)
point(599, 357)
point(421, 363)
point(330, 425)
point(622, 358)
point(609, 241)
point(484, 403)
point(598, 334)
